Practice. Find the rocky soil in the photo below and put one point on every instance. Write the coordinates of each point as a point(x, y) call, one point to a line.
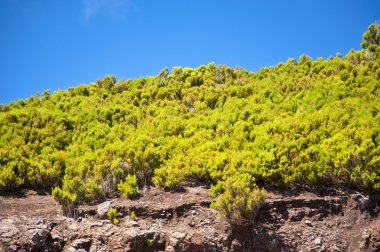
point(183, 221)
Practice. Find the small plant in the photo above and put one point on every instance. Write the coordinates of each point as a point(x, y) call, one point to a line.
point(111, 214)
point(129, 187)
point(132, 215)
point(149, 243)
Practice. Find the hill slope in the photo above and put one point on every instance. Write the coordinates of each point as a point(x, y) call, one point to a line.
point(301, 123)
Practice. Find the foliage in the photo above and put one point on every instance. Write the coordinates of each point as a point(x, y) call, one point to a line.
point(128, 187)
point(301, 124)
point(149, 243)
point(238, 198)
point(132, 215)
point(66, 199)
point(371, 39)
point(111, 214)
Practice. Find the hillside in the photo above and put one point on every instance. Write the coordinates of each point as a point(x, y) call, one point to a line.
point(303, 124)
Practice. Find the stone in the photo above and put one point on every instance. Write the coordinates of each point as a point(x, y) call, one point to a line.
point(81, 244)
point(235, 245)
point(9, 234)
point(366, 235)
point(308, 223)
point(318, 241)
point(133, 224)
point(191, 223)
point(38, 236)
point(176, 238)
point(170, 249)
point(57, 238)
point(39, 222)
point(103, 208)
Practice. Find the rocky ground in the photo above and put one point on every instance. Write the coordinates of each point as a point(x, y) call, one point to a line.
point(183, 221)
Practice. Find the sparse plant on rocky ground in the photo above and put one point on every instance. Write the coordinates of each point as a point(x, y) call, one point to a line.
point(132, 215)
point(111, 214)
point(149, 243)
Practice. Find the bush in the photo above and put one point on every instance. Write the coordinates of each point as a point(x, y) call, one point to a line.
point(132, 215)
point(67, 200)
point(9, 179)
point(129, 187)
point(238, 199)
point(111, 214)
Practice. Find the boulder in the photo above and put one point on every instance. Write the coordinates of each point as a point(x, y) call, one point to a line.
point(38, 237)
point(103, 208)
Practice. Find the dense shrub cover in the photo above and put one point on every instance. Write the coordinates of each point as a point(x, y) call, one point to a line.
point(303, 123)
point(128, 187)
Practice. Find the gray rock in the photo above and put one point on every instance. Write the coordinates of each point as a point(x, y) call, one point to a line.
point(191, 223)
point(103, 208)
point(57, 238)
point(176, 238)
point(39, 222)
point(38, 236)
point(133, 224)
point(170, 249)
point(308, 223)
point(366, 235)
point(318, 241)
point(81, 244)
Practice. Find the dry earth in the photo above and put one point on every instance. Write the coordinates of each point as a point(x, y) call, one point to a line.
point(183, 221)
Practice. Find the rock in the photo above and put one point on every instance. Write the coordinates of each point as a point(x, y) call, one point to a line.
point(308, 223)
point(39, 222)
point(366, 235)
point(39, 236)
point(191, 223)
point(96, 224)
point(9, 232)
point(235, 245)
point(205, 222)
point(318, 241)
point(57, 238)
point(81, 244)
point(169, 249)
point(176, 238)
point(103, 208)
point(179, 235)
point(133, 224)
point(73, 227)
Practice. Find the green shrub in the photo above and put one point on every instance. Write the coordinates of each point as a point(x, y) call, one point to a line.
point(149, 243)
point(128, 187)
point(111, 214)
point(67, 200)
point(132, 215)
point(8, 179)
point(238, 199)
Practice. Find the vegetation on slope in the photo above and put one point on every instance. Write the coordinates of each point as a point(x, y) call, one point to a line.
point(302, 123)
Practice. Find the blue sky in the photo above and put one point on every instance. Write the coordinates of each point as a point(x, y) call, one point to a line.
point(56, 44)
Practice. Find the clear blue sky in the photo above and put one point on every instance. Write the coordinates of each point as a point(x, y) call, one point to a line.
point(56, 44)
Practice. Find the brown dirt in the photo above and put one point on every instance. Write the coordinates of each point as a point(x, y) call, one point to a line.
point(28, 203)
point(183, 221)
